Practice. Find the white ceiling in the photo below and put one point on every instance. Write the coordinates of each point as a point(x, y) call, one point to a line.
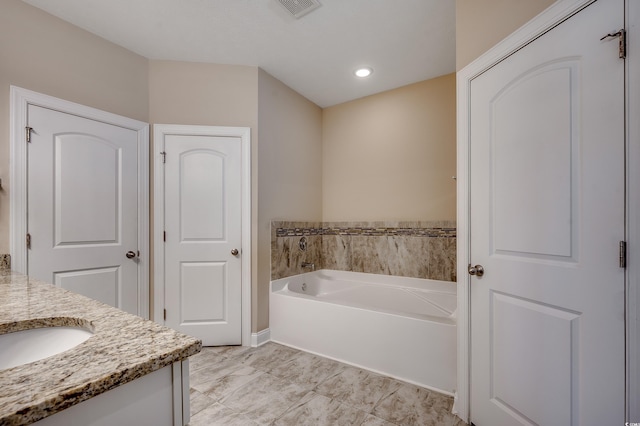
point(404, 41)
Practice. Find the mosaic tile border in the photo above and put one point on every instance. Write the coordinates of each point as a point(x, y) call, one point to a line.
point(298, 232)
point(435, 232)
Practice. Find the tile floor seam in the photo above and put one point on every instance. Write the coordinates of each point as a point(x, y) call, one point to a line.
point(234, 410)
point(297, 402)
point(228, 394)
point(291, 408)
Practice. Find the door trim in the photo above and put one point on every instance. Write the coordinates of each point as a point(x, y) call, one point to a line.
point(244, 133)
point(20, 101)
point(549, 18)
point(632, 9)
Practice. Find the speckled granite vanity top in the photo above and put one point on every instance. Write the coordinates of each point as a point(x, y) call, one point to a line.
point(124, 347)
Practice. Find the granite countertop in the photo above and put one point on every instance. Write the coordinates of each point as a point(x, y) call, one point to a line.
point(123, 348)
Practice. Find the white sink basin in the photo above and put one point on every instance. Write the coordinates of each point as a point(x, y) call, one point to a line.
point(25, 346)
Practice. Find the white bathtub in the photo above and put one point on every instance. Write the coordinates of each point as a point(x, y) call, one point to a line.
point(401, 327)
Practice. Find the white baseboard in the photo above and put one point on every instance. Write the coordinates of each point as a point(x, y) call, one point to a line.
point(260, 338)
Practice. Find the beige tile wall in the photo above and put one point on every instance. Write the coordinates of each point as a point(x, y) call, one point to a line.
point(408, 249)
point(5, 261)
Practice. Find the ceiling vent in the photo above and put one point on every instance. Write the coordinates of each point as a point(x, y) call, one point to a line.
point(299, 8)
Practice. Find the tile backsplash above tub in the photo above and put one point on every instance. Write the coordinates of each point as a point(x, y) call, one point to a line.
point(5, 261)
point(408, 249)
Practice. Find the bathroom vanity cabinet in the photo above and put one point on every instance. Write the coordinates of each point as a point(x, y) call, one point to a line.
point(160, 398)
point(130, 371)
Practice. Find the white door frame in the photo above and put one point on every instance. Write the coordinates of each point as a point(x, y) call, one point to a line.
point(20, 101)
point(551, 17)
point(244, 133)
point(632, 9)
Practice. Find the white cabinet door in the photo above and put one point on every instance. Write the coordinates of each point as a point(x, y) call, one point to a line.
point(160, 398)
point(202, 249)
point(83, 206)
point(547, 215)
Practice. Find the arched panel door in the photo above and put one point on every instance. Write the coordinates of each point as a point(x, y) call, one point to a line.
point(547, 216)
point(83, 206)
point(202, 248)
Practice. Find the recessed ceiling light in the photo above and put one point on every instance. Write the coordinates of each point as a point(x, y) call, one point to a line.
point(363, 72)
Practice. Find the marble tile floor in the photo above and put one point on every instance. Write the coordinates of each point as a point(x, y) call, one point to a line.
point(277, 385)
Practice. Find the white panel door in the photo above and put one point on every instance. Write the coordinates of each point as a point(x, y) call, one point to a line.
point(547, 215)
point(202, 211)
point(82, 206)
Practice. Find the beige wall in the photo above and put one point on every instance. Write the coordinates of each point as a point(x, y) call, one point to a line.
point(42, 53)
point(289, 173)
point(481, 24)
point(391, 156)
point(203, 94)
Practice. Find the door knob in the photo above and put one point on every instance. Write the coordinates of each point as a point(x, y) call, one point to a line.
point(234, 252)
point(477, 270)
point(130, 254)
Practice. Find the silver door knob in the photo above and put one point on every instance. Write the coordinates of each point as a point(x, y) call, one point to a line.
point(130, 254)
point(477, 270)
point(235, 252)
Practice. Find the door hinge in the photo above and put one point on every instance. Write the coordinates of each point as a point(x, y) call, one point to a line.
point(164, 157)
point(623, 254)
point(164, 236)
point(28, 239)
point(622, 42)
point(28, 131)
point(165, 314)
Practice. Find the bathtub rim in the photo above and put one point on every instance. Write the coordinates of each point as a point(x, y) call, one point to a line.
point(365, 277)
point(280, 287)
